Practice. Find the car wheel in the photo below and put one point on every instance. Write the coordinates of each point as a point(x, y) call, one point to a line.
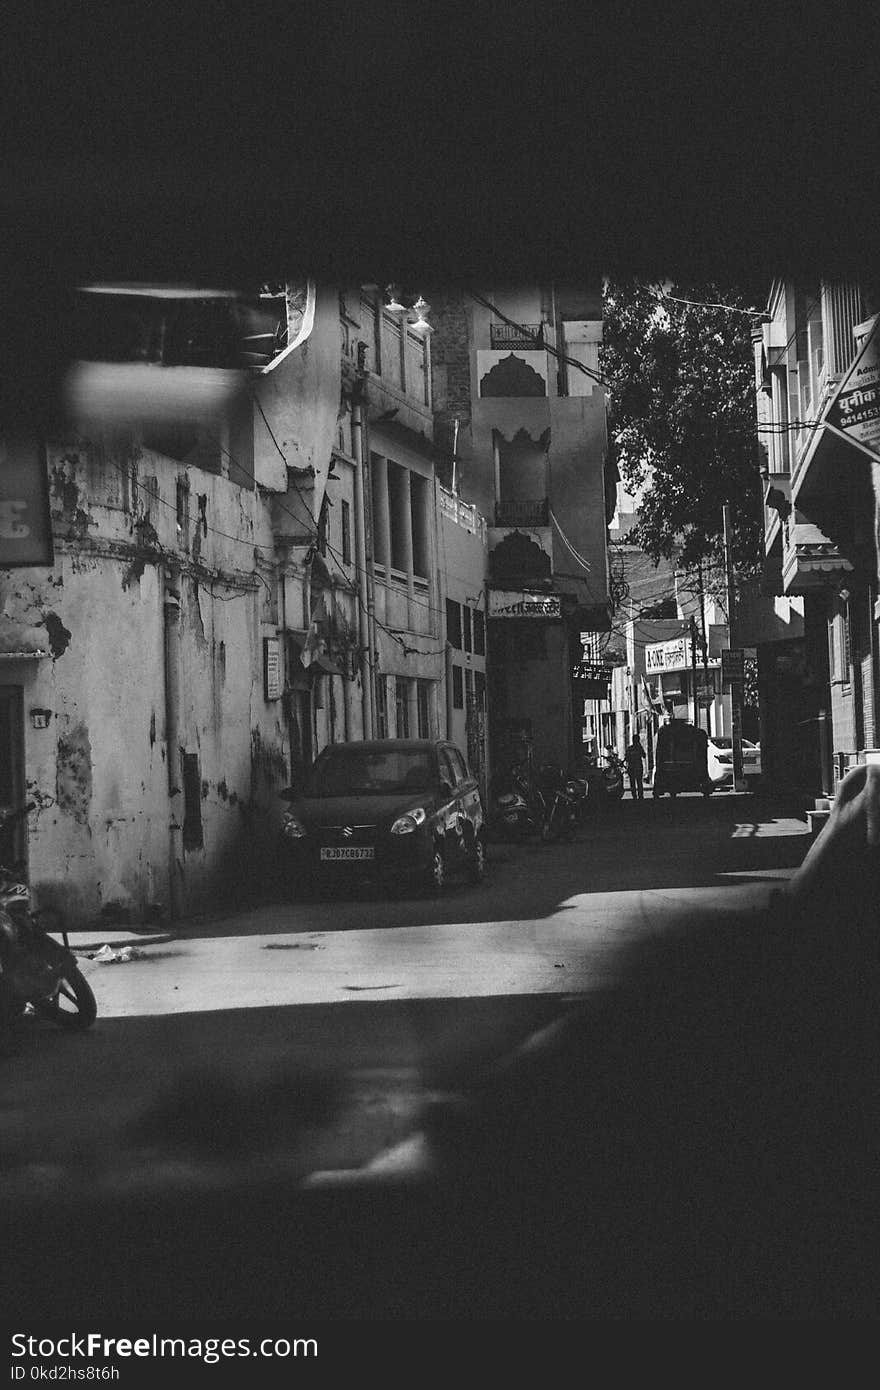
point(435, 880)
point(478, 860)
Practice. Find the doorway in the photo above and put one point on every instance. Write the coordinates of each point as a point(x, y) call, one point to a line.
point(13, 839)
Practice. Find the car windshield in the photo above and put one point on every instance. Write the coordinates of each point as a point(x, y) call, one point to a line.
point(346, 771)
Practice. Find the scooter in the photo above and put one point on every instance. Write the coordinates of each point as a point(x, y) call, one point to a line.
point(36, 971)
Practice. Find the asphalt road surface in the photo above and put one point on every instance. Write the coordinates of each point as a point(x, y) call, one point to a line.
point(244, 1054)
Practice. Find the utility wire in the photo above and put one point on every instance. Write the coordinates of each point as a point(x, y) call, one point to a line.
point(538, 339)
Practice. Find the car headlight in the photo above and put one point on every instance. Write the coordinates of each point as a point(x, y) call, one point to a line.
point(410, 821)
point(292, 826)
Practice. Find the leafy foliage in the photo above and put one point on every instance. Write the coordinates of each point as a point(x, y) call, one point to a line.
point(682, 420)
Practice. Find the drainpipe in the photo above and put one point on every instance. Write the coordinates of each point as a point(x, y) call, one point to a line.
point(364, 578)
point(171, 625)
point(450, 710)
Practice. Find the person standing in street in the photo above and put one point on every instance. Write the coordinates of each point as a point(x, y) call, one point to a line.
point(635, 766)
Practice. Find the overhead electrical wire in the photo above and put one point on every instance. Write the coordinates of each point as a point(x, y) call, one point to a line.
point(539, 340)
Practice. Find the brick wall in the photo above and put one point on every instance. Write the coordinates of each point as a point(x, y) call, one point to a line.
point(450, 366)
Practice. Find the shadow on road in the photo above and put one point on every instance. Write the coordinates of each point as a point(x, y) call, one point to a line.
point(688, 841)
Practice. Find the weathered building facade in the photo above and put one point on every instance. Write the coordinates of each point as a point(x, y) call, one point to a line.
point(520, 421)
point(142, 672)
point(816, 369)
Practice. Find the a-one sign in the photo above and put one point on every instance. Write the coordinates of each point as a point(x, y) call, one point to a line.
point(674, 655)
point(855, 410)
point(513, 603)
point(25, 525)
point(732, 664)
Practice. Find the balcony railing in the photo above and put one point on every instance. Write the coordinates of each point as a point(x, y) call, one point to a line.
point(462, 513)
point(503, 337)
point(535, 512)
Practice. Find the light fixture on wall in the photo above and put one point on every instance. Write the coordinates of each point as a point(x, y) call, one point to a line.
point(416, 312)
point(40, 718)
point(394, 305)
point(421, 309)
point(843, 593)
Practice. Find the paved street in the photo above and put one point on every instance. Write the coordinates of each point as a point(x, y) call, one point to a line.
point(400, 994)
point(302, 1036)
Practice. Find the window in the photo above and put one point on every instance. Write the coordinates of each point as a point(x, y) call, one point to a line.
point(346, 532)
point(323, 522)
point(398, 502)
point(467, 632)
point(381, 707)
point(192, 802)
point(401, 700)
point(453, 623)
point(183, 510)
point(457, 688)
point(479, 633)
point(423, 704)
point(419, 510)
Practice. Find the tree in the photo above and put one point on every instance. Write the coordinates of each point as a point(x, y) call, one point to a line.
point(682, 421)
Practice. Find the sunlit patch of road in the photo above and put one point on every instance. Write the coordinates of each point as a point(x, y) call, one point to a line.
point(568, 951)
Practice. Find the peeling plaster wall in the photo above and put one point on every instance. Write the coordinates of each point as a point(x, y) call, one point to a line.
point(98, 838)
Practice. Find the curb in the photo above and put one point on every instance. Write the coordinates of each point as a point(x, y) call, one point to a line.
point(118, 938)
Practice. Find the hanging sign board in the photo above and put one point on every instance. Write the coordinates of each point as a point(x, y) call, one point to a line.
point(272, 668)
point(732, 664)
point(855, 410)
point(515, 603)
point(25, 526)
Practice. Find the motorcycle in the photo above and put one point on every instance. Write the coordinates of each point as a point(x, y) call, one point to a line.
point(604, 782)
point(37, 972)
point(521, 809)
point(614, 775)
point(561, 799)
point(577, 785)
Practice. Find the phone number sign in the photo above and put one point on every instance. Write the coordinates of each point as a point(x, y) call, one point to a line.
point(25, 526)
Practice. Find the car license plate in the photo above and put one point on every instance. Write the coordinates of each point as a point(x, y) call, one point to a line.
point(348, 852)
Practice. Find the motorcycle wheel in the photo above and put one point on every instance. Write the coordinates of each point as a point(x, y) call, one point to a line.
point(73, 1007)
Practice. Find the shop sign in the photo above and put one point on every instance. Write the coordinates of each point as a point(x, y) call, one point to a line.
point(25, 525)
point(732, 664)
point(511, 603)
point(705, 695)
point(855, 410)
point(667, 656)
point(590, 671)
point(272, 668)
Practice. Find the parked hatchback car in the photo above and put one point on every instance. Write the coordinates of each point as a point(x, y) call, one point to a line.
point(393, 810)
point(721, 760)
